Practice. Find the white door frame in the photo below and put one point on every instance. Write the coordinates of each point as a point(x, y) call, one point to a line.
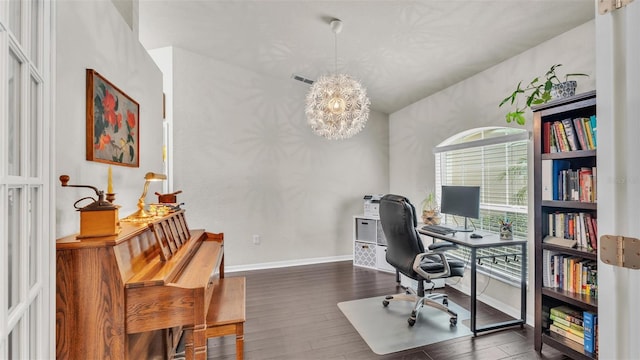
point(30, 323)
point(618, 185)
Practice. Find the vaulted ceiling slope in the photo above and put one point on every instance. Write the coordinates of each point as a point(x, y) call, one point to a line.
point(402, 51)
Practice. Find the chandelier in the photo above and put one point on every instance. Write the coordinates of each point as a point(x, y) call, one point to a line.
point(337, 106)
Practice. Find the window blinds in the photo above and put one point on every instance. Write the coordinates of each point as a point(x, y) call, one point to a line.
point(499, 166)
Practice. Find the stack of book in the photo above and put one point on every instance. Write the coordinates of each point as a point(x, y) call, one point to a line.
point(570, 135)
point(560, 182)
point(581, 227)
point(575, 325)
point(569, 273)
point(568, 323)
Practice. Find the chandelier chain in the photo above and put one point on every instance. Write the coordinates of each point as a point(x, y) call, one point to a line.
point(336, 51)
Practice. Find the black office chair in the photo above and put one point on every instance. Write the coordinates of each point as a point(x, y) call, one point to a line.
point(406, 252)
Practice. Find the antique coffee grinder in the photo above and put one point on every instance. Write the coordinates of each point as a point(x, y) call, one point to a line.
point(99, 218)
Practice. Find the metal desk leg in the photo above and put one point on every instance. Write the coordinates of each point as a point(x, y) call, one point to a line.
point(473, 291)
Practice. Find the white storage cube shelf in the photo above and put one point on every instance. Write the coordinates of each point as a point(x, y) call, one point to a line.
point(370, 245)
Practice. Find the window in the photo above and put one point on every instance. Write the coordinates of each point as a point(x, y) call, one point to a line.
point(496, 160)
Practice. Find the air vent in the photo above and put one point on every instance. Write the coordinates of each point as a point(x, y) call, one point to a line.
point(302, 79)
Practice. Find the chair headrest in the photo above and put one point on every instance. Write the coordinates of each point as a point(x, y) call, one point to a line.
point(402, 200)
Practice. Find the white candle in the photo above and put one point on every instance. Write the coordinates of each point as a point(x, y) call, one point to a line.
point(109, 182)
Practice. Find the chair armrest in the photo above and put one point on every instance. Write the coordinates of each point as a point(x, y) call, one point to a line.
point(427, 276)
point(442, 246)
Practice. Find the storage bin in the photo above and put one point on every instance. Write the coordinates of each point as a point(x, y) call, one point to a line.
point(366, 230)
point(364, 254)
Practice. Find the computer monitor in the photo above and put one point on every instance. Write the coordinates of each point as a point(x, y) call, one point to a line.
point(461, 201)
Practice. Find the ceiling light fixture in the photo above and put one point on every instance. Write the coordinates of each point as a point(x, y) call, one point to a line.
point(337, 105)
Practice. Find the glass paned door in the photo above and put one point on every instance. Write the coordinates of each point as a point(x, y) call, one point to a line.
point(26, 291)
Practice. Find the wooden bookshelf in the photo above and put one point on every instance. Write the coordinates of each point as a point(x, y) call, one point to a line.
point(579, 106)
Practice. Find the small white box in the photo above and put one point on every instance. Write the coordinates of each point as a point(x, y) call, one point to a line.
point(372, 205)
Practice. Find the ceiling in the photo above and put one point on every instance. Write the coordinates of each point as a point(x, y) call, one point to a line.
point(402, 51)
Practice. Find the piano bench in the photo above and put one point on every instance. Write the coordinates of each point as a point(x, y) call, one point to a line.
point(226, 314)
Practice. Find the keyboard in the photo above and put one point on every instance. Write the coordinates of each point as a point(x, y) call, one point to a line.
point(438, 229)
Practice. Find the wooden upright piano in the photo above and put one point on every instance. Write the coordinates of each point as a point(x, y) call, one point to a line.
point(133, 295)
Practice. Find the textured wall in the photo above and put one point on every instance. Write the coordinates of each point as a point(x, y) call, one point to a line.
point(249, 164)
point(473, 103)
point(94, 35)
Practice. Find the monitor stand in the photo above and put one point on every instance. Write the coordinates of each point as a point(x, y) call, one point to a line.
point(466, 227)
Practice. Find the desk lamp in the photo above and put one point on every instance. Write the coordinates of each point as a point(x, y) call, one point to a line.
point(141, 214)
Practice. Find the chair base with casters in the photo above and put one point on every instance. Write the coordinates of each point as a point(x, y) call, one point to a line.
point(436, 300)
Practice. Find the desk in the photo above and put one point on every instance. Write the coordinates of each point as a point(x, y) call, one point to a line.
point(489, 240)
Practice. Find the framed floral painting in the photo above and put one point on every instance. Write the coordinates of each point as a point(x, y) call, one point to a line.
point(113, 123)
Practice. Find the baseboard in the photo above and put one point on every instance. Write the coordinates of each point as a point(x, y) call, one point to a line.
point(288, 263)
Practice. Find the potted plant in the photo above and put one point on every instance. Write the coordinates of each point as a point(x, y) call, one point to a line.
point(539, 91)
point(430, 210)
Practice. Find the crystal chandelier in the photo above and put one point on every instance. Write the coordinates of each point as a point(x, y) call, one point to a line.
point(337, 105)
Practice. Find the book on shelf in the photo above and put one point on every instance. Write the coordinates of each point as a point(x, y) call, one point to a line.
point(568, 326)
point(578, 125)
point(559, 241)
point(570, 133)
point(561, 137)
point(590, 335)
point(594, 187)
point(553, 142)
point(566, 334)
point(570, 184)
point(567, 313)
point(546, 138)
point(578, 226)
point(594, 128)
point(549, 269)
point(592, 230)
point(557, 167)
point(570, 273)
point(585, 175)
point(547, 183)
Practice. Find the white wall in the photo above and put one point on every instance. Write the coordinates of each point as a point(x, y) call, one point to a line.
point(248, 164)
point(473, 103)
point(93, 34)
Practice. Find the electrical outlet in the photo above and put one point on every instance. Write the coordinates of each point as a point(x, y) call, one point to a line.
point(256, 239)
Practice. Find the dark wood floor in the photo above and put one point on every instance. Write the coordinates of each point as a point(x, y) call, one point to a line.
point(292, 313)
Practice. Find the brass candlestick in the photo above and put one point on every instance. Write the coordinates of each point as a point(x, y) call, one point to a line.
point(110, 197)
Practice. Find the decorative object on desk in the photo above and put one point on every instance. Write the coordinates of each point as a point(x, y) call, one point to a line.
point(337, 106)
point(142, 215)
point(430, 210)
point(540, 90)
point(162, 209)
point(100, 218)
point(113, 130)
point(168, 198)
point(506, 230)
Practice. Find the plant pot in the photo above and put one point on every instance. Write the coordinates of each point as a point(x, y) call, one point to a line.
point(563, 90)
point(431, 217)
